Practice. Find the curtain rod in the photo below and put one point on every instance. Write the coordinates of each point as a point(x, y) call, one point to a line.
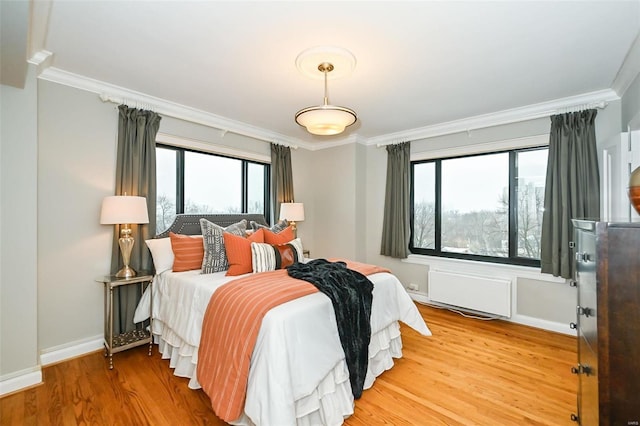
point(582, 107)
point(105, 97)
point(548, 113)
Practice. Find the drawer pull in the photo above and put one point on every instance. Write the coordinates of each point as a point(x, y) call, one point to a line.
point(573, 325)
point(573, 283)
point(574, 418)
point(582, 369)
point(583, 257)
point(587, 312)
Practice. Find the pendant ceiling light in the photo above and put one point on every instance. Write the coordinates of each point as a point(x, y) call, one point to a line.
point(326, 119)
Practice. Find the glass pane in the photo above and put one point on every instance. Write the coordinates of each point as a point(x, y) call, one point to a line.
point(424, 205)
point(530, 180)
point(166, 188)
point(212, 184)
point(475, 205)
point(255, 188)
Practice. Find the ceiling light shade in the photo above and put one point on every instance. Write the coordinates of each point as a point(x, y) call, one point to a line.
point(325, 120)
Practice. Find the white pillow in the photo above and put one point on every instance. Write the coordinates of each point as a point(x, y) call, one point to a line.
point(161, 253)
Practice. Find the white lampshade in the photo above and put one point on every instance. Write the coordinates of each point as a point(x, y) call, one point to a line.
point(124, 209)
point(292, 212)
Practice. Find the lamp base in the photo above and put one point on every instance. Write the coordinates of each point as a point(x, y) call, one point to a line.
point(126, 272)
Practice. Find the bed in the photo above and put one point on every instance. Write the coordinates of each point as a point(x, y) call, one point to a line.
point(297, 374)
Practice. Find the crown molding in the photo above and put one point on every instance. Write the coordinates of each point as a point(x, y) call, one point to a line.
point(629, 70)
point(117, 94)
point(515, 115)
point(40, 57)
point(112, 93)
point(352, 139)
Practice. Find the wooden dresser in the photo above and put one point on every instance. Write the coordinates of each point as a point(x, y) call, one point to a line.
point(607, 257)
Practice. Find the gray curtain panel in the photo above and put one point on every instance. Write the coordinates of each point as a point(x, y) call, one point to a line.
point(395, 225)
point(281, 178)
point(135, 175)
point(572, 188)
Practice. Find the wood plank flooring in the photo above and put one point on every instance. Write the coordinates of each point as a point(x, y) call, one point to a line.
point(470, 372)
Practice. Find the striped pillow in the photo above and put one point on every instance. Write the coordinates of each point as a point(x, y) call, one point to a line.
point(188, 252)
point(269, 257)
point(215, 256)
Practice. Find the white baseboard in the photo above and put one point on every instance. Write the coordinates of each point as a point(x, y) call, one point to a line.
point(557, 327)
point(518, 319)
point(20, 380)
point(23, 379)
point(71, 350)
point(418, 296)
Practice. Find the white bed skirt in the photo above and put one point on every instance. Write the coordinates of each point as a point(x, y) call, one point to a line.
point(329, 403)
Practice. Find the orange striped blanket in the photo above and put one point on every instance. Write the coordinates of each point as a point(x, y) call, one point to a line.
point(230, 329)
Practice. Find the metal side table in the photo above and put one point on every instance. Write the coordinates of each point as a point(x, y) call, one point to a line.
point(130, 339)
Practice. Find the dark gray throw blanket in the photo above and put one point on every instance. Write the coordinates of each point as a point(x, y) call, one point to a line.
point(351, 294)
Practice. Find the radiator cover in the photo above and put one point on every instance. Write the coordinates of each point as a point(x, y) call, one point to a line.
point(473, 292)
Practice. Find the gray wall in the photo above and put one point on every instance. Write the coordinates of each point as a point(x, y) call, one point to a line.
point(76, 170)
point(631, 106)
point(328, 180)
point(18, 228)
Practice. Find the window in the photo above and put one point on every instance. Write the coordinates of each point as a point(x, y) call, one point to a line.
point(190, 181)
point(480, 207)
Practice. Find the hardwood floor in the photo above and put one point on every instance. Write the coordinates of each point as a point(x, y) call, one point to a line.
point(470, 372)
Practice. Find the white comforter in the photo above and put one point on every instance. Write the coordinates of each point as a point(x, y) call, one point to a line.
point(298, 374)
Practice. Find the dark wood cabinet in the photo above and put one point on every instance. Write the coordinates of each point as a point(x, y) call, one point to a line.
point(607, 260)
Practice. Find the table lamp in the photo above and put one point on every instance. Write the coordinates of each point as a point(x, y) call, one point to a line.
point(292, 212)
point(124, 210)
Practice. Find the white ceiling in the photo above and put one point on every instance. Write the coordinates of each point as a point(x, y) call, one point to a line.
point(419, 63)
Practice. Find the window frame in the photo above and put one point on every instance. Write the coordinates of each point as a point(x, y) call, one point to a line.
point(244, 172)
point(512, 231)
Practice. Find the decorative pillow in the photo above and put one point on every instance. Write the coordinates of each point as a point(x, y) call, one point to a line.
point(281, 237)
point(215, 256)
point(239, 251)
point(269, 257)
point(278, 227)
point(297, 244)
point(161, 253)
point(188, 252)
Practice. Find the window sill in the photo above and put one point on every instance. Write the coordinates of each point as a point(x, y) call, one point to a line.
point(481, 268)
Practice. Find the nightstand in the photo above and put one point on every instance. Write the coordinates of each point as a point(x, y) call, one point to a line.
point(130, 339)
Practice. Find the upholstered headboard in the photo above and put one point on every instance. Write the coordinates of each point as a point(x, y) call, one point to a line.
point(189, 224)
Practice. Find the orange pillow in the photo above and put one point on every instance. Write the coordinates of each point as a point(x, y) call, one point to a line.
point(281, 237)
point(239, 251)
point(188, 252)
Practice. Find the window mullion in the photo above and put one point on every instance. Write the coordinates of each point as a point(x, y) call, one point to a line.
point(513, 205)
point(244, 203)
point(438, 218)
point(180, 180)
